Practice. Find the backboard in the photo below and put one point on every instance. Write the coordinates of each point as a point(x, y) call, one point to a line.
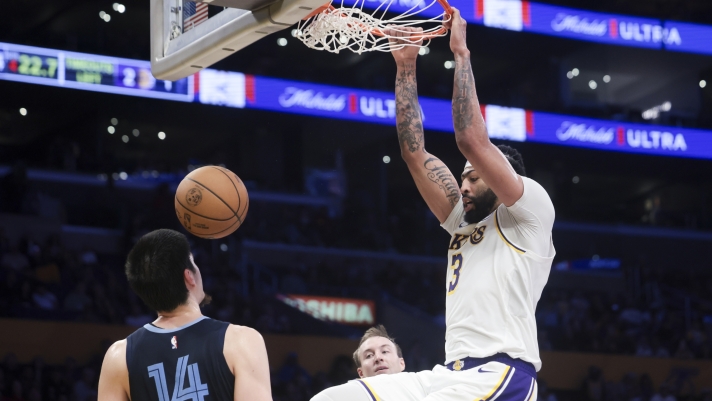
point(185, 38)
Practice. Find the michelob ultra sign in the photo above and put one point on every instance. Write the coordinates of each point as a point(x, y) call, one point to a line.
point(341, 310)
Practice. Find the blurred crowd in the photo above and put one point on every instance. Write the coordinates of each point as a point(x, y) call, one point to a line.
point(672, 317)
point(44, 280)
point(678, 386)
point(70, 381)
point(38, 381)
point(413, 230)
point(669, 316)
point(660, 314)
point(351, 222)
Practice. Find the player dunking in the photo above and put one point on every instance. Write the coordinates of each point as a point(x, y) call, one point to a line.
point(182, 355)
point(499, 256)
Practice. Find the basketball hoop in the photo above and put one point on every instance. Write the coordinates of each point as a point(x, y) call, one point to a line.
point(351, 28)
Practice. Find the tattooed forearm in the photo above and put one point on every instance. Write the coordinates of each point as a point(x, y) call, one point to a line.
point(464, 99)
point(408, 121)
point(440, 175)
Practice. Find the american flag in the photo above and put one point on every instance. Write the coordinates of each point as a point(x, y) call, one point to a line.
point(194, 14)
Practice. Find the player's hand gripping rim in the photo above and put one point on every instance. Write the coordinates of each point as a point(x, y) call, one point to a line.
point(458, 33)
point(405, 42)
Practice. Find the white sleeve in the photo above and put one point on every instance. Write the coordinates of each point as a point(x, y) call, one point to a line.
point(528, 222)
point(456, 217)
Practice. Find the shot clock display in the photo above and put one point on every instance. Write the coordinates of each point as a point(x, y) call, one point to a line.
point(30, 64)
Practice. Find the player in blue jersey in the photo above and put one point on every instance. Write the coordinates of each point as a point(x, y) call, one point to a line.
point(182, 355)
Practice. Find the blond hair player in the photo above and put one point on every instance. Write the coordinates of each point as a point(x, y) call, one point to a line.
point(499, 256)
point(378, 354)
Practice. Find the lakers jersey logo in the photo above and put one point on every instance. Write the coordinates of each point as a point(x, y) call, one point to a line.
point(196, 390)
point(477, 235)
point(458, 365)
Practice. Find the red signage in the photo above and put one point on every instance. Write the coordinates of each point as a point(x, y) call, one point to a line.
point(342, 310)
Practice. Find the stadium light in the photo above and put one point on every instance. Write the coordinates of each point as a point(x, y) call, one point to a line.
point(23, 111)
point(111, 129)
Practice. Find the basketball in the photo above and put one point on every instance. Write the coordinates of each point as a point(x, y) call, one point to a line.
point(211, 202)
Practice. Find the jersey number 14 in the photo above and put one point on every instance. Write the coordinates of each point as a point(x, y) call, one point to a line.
point(196, 390)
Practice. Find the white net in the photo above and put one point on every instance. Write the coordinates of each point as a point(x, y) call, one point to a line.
point(352, 28)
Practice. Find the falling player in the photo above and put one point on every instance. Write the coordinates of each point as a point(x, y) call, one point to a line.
point(182, 355)
point(499, 256)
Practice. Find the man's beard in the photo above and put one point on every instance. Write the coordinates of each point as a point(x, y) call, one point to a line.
point(206, 300)
point(483, 204)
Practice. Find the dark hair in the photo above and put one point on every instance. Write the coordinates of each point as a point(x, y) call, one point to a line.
point(155, 266)
point(514, 158)
point(377, 331)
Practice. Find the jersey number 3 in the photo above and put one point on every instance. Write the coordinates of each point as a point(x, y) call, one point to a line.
point(456, 266)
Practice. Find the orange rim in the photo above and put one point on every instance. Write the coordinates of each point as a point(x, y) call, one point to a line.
point(320, 9)
point(445, 5)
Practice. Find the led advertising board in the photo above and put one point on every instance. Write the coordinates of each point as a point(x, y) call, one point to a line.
point(233, 89)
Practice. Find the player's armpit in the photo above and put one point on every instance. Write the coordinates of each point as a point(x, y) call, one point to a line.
point(246, 356)
point(114, 377)
point(436, 184)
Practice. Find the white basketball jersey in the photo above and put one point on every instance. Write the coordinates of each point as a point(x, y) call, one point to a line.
point(497, 271)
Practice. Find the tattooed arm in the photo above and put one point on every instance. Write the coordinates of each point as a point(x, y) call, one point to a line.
point(433, 179)
point(470, 130)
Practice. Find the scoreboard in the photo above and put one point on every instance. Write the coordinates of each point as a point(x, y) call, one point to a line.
point(31, 64)
point(88, 72)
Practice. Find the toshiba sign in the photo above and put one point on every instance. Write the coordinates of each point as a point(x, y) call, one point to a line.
point(341, 310)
